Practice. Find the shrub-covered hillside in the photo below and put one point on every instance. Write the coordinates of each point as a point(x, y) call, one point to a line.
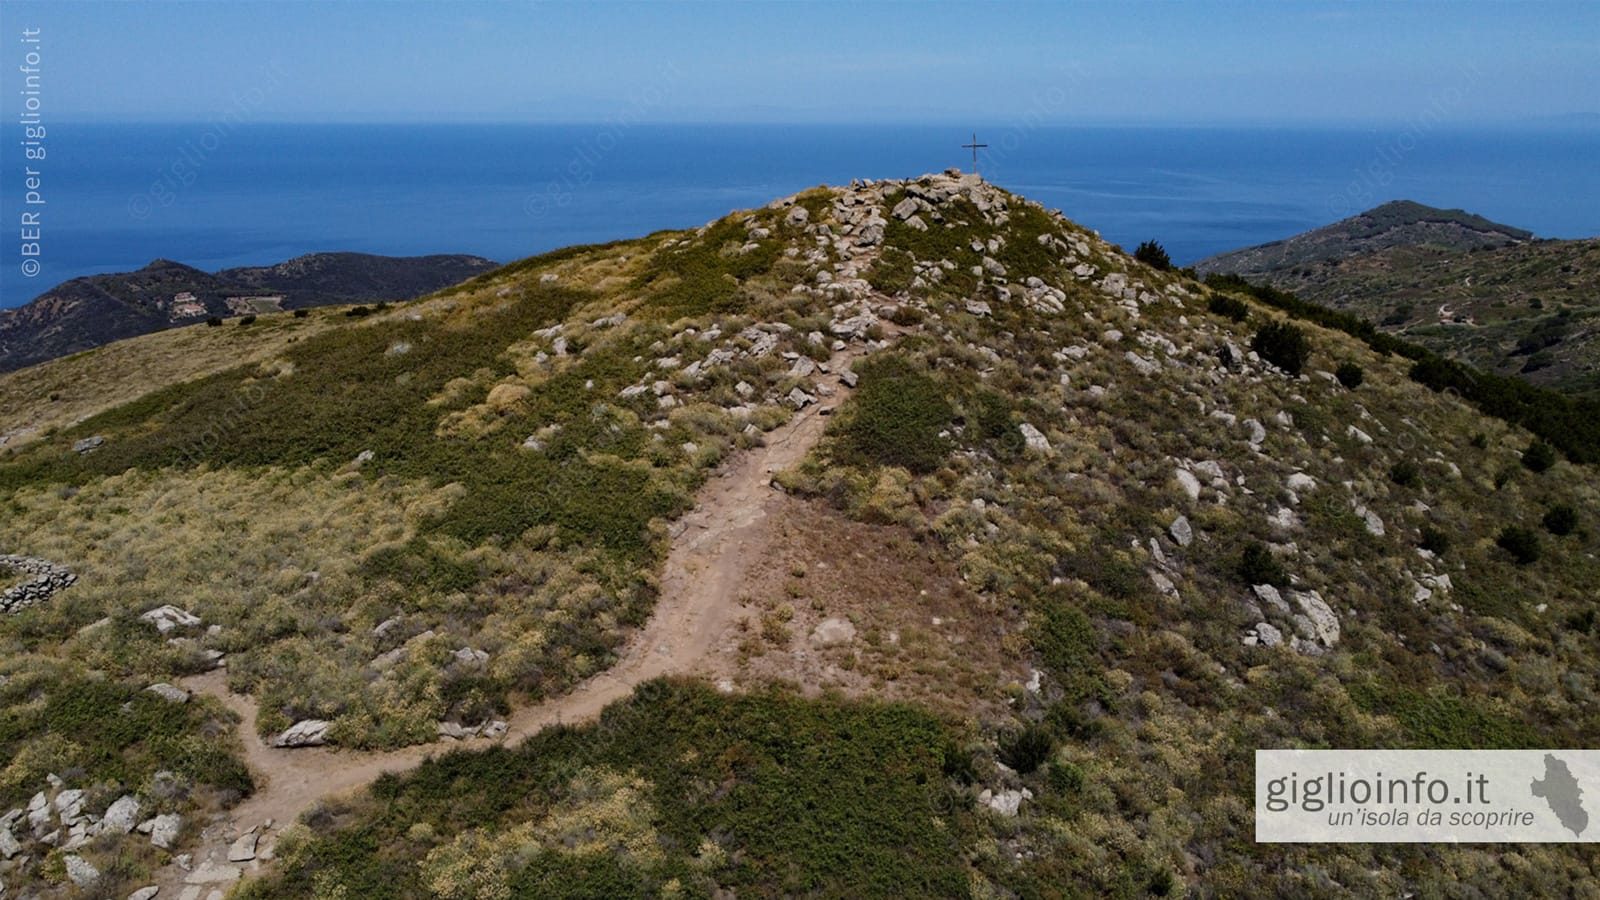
point(1080, 536)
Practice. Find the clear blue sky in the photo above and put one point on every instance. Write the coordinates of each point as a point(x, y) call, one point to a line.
point(856, 61)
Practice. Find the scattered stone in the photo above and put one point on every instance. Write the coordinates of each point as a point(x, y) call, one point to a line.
point(145, 893)
point(1034, 439)
point(80, 872)
point(800, 399)
point(1189, 483)
point(9, 847)
point(1323, 621)
point(305, 733)
point(1268, 634)
point(170, 693)
point(164, 830)
point(1181, 531)
point(1006, 802)
point(212, 873)
point(831, 632)
point(121, 816)
point(494, 729)
point(244, 849)
point(1370, 520)
point(88, 444)
point(168, 617)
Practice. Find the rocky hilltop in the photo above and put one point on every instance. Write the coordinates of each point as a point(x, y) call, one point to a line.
point(89, 312)
point(1398, 223)
point(902, 538)
point(1462, 286)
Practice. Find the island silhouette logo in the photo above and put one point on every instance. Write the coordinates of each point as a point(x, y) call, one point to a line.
point(1562, 793)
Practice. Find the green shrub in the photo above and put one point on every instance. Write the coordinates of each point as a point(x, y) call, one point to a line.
point(356, 312)
point(1230, 306)
point(1350, 375)
point(1063, 637)
point(1065, 778)
point(247, 320)
point(301, 313)
point(1257, 565)
point(1283, 345)
point(1405, 473)
point(213, 321)
point(1435, 540)
point(1539, 456)
point(1026, 750)
point(1154, 255)
point(1561, 520)
point(1521, 543)
point(898, 417)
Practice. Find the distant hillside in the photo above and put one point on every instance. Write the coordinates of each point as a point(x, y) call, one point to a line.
point(1399, 223)
point(1456, 283)
point(87, 312)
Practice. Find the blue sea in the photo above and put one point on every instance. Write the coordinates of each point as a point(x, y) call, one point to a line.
point(219, 195)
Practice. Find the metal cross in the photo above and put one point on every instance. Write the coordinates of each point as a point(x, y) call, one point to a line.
point(974, 147)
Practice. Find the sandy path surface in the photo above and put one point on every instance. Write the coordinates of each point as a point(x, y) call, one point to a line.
point(711, 547)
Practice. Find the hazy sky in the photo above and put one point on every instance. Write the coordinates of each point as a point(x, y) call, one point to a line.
point(856, 61)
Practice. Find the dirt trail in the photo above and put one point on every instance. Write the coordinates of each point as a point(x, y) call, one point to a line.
point(711, 547)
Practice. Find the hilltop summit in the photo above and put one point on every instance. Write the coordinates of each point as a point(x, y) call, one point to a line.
point(896, 538)
point(1398, 223)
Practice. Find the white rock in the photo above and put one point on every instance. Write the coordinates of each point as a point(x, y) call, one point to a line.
point(164, 830)
point(1268, 634)
point(80, 872)
point(121, 816)
point(145, 893)
point(1189, 483)
point(1300, 481)
point(69, 804)
point(1359, 435)
point(1323, 621)
point(1371, 520)
point(212, 873)
point(1006, 802)
point(1181, 531)
point(169, 692)
point(9, 847)
point(244, 849)
point(305, 733)
point(830, 632)
point(168, 617)
point(1034, 438)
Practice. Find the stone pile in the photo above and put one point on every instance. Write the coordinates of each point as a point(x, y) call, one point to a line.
point(48, 578)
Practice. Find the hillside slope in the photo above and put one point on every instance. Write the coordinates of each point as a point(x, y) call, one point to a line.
point(1066, 553)
point(1457, 284)
point(89, 312)
point(1398, 223)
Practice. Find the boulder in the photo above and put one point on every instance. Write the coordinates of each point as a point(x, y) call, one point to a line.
point(168, 692)
point(1006, 802)
point(305, 733)
point(145, 893)
point(9, 846)
point(1034, 439)
point(169, 617)
point(244, 849)
point(1181, 531)
point(1324, 623)
point(80, 872)
point(832, 632)
point(121, 816)
point(1189, 483)
point(88, 444)
point(164, 830)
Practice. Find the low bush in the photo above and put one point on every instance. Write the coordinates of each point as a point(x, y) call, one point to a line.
point(1521, 543)
point(1561, 520)
point(1435, 540)
point(213, 321)
point(1154, 255)
point(1405, 473)
point(301, 313)
point(1350, 375)
point(898, 418)
point(1026, 750)
point(1283, 345)
point(1539, 456)
point(1230, 306)
point(247, 320)
point(1257, 565)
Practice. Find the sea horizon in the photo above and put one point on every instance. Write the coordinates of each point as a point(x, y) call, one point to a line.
point(217, 194)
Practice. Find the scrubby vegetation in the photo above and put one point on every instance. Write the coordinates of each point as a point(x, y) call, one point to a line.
point(1283, 345)
point(678, 791)
point(1154, 255)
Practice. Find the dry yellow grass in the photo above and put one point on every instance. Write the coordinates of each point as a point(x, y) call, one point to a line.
point(59, 393)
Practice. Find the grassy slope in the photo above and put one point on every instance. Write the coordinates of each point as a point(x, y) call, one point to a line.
point(1529, 309)
point(1139, 743)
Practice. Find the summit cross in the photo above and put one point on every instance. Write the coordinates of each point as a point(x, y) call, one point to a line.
point(974, 147)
